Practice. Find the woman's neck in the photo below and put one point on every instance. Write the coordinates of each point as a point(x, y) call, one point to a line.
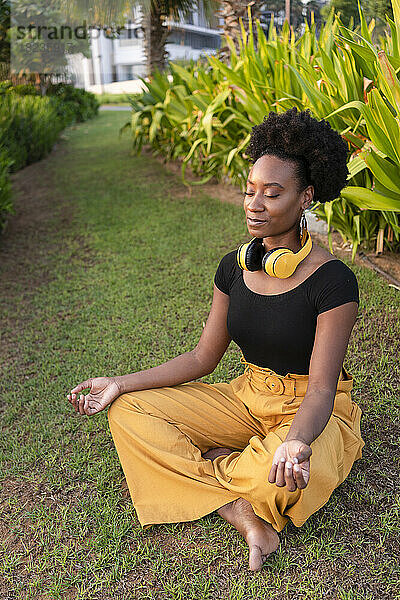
point(289, 240)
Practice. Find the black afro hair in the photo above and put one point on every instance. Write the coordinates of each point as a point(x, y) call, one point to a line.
point(319, 152)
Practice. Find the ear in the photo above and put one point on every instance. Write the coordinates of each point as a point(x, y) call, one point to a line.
point(308, 197)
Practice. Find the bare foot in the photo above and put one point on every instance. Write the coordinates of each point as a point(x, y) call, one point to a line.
point(213, 452)
point(260, 536)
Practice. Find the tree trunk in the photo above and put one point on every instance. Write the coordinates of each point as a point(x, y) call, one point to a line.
point(44, 80)
point(287, 11)
point(231, 11)
point(155, 37)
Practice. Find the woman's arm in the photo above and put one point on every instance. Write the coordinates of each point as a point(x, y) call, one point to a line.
point(200, 361)
point(331, 340)
point(332, 335)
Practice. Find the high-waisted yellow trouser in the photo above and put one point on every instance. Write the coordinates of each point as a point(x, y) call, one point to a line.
point(161, 433)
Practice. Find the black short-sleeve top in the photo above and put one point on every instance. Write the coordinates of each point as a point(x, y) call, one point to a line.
point(278, 331)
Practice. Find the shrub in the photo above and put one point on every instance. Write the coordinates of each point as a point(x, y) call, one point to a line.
point(29, 126)
point(74, 104)
point(25, 89)
point(6, 206)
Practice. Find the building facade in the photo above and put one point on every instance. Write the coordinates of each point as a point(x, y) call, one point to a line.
point(122, 58)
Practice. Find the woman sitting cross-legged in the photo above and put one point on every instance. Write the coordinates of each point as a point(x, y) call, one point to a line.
point(273, 443)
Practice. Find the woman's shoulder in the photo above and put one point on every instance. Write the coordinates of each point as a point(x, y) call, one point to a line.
point(331, 266)
point(332, 283)
point(226, 272)
point(228, 262)
point(230, 256)
point(324, 262)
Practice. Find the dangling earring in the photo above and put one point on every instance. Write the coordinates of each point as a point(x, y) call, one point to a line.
point(303, 229)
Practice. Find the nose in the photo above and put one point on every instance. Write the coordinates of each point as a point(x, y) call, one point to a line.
point(255, 203)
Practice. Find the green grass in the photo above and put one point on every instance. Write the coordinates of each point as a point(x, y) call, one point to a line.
point(122, 99)
point(112, 273)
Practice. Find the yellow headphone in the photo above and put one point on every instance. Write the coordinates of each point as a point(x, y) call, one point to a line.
point(278, 262)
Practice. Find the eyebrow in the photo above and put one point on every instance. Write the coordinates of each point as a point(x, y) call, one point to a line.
point(268, 184)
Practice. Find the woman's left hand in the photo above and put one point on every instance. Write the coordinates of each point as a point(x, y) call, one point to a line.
point(291, 465)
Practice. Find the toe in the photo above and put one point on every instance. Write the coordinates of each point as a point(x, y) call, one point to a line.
point(255, 558)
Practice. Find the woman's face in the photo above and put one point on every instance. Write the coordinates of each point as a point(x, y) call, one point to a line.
point(272, 205)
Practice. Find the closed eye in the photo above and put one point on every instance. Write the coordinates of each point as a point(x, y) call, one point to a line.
point(252, 194)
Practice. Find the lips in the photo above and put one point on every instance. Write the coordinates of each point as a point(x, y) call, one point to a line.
point(255, 221)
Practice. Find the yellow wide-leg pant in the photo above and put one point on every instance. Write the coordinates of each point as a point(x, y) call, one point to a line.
point(161, 433)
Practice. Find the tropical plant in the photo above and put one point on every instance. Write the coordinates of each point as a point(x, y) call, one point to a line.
point(377, 10)
point(29, 126)
point(346, 8)
point(377, 155)
point(73, 104)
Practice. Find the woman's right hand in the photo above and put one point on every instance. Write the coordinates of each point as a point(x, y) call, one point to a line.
point(103, 390)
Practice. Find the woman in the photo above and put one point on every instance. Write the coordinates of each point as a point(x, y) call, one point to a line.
point(272, 444)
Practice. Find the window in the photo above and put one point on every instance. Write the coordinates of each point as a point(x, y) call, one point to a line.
point(176, 37)
point(132, 71)
point(201, 40)
point(195, 40)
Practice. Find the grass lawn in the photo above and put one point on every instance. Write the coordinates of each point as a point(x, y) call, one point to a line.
point(107, 269)
point(122, 99)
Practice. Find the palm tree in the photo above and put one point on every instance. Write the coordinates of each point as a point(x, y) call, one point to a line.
point(287, 11)
point(155, 14)
point(232, 11)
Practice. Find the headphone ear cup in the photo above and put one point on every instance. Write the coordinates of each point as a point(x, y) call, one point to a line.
point(254, 255)
point(270, 257)
point(249, 256)
point(264, 265)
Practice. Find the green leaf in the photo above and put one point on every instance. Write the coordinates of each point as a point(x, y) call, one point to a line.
point(193, 148)
point(368, 199)
point(387, 173)
point(356, 165)
point(185, 75)
point(230, 156)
